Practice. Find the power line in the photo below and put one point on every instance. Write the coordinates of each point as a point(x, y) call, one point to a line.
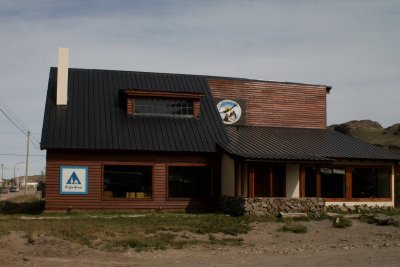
point(5, 114)
point(17, 122)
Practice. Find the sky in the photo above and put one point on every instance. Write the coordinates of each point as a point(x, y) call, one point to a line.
point(353, 46)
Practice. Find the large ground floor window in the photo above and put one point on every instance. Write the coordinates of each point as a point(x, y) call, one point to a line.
point(190, 182)
point(371, 182)
point(127, 181)
point(350, 182)
point(333, 183)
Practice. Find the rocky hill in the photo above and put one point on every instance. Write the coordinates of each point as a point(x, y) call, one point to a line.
point(372, 132)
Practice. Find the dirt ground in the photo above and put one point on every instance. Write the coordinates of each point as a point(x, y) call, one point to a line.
point(360, 245)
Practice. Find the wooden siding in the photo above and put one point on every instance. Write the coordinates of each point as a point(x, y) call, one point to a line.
point(95, 161)
point(276, 104)
point(130, 105)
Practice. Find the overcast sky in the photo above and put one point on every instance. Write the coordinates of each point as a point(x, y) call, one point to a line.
point(354, 46)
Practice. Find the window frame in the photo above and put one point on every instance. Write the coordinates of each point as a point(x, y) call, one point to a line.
point(376, 199)
point(132, 94)
point(168, 198)
point(344, 180)
point(146, 164)
point(348, 182)
point(164, 114)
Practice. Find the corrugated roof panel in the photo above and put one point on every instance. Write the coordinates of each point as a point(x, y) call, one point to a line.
point(299, 144)
point(95, 118)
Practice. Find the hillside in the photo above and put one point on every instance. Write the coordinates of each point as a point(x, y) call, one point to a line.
point(372, 132)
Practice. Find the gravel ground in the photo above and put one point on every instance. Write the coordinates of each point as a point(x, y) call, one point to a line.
point(359, 245)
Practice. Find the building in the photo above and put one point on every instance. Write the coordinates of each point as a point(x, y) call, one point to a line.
point(137, 140)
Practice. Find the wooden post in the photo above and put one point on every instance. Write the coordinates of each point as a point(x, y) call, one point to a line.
point(349, 182)
point(271, 184)
point(318, 180)
point(242, 177)
point(302, 181)
point(251, 180)
point(237, 170)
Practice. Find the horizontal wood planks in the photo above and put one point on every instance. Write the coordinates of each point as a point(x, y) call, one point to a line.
point(276, 104)
point(95, 161)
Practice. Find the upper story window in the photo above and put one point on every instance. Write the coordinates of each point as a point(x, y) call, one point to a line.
point(163, 103)
point(163, 106)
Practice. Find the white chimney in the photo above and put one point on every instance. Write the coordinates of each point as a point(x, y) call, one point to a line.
point(62, 76)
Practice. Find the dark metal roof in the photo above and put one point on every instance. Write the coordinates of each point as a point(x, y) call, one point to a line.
point(95, 116)
point(327, 87)
point(300, 144)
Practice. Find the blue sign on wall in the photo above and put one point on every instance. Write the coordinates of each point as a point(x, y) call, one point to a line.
point(73, 180)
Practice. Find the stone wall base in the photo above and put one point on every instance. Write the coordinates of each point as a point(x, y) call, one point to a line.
point(270, 206)
point(358, 208)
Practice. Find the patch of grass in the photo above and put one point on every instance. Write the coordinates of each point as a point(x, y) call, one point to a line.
point(390, 212)
point(294, 228)
point(225, 241)
point(147, 231)
point(262, 218)
point(271, 218)
point(23, 198)
point(341, 222)
point(24, 204)
point(373, 219)
point(158, 241)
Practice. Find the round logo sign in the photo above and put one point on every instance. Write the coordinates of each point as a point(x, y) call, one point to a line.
point(229, 110)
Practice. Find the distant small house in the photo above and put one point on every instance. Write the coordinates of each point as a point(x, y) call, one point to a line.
point(138, 140)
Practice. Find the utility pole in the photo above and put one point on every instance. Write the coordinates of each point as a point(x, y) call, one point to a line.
point(2, 171)
point(15, 177)
point(26, 162)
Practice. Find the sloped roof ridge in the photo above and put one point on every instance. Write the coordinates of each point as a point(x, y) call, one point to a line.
point(95, 106)
point(206, 76)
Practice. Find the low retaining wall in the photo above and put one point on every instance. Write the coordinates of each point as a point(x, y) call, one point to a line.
point(358, 208)
point(270, 206)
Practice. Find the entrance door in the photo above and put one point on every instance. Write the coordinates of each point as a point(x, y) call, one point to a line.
point(262, 180)
point(269, 180)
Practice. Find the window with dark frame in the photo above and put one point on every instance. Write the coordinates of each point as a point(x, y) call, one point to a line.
point(371, 183)
point(163, 106)
point(190, 182)
point(366, 182)
point(127, 181)
point(333, 182)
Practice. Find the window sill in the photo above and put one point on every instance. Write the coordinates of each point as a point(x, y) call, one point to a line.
point(126, 199)
point(188, 199)
point(358, 199)
point(163, 115)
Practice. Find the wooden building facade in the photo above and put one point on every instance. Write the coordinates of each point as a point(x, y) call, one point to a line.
point(124, 140)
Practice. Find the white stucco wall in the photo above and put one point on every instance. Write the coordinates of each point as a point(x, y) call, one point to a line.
point(292, 180)
point(227, 176)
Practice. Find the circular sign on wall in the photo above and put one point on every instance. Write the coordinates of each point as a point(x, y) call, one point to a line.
point(229, 110)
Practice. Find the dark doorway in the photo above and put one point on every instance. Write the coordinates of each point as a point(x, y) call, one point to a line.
point(262, 180)
point(279, 180)
point(269, 180)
